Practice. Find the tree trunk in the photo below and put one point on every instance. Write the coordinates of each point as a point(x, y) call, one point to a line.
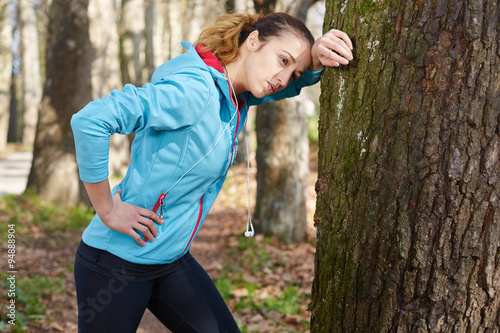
point(5, 71)
point(68, 88)
point(282, 161)
point(105, 71)
point(156, 49)
point(408, 215)
point(175, 9)
point(239, 6)
point(132, 42)
point(282, 169)
point(30, 70)
point(12, 132)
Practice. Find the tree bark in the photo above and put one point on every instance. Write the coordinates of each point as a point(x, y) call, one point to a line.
point(5, 71)
point(30, 70)
point(282, 159)
point(68, 88)
point(408, 215)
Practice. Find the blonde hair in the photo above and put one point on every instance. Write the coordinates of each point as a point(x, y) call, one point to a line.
point(225, 37)
point(222, 39)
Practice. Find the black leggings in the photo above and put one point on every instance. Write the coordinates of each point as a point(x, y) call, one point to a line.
point(113, 294)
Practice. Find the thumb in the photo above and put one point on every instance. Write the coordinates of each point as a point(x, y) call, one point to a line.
point(119, 192)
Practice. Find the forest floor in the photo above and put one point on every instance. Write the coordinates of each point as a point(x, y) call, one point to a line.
point(266, 283)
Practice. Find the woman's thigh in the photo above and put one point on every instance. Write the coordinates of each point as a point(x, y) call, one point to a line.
point(109, 303)
point(188, 301)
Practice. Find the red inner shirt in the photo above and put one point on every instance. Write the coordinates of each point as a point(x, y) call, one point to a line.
point(211, 60)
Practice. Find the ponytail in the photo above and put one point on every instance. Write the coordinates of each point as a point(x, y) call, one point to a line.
point(230, 31)
point(223, 39)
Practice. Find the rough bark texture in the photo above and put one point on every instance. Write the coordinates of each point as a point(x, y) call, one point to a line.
point(67, 89)
point(408, 216)
point(30, 70)
point(282, 158)
point(5, 71)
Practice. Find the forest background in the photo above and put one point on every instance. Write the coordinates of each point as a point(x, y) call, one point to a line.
point(266, 280)
point(407, 217)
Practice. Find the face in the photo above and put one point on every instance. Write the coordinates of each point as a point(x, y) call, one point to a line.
point(271, 66)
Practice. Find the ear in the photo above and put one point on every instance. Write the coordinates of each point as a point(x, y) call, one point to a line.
point(253, 42)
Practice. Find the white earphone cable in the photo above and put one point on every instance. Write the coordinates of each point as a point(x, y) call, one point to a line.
point(250, 231)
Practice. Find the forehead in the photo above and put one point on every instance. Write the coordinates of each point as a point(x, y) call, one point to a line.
point(290, 41)
point(296, 47)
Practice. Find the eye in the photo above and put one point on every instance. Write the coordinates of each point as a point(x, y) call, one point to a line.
point(284, 60)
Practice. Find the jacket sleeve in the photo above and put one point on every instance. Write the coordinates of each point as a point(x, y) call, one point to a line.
point(308, 78)
point(167, 105)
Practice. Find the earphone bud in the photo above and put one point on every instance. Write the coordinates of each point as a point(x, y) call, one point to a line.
point(249, 233)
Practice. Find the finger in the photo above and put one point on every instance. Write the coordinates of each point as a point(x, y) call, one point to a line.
point(330, 63)
point(327, 56)
point(342, 35)
point(334, 64)
point(136, 236)
point(146, 232)
point(150, 214)
point(339, 46)
point(149, 225)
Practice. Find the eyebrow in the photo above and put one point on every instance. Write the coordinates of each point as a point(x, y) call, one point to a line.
point(290, 55)
point(293, 60)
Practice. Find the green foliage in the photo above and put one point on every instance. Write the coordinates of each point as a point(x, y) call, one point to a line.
point(251, 262)
point(30, 291)
point(30, 214)
point(33, 219)
point(313, 129)
point(260, 296)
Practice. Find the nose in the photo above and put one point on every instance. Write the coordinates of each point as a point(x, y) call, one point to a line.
point(284, 77)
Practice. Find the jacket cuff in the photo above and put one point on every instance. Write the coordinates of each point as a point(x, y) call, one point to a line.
point(92, 174)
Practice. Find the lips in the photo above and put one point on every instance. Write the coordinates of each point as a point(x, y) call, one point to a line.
point(271, 87)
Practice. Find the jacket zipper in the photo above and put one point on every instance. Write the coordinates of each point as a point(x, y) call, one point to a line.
point(159, 204)
point(200, 213)
point(234, 140)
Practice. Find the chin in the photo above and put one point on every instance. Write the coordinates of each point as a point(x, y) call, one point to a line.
point(261, 94)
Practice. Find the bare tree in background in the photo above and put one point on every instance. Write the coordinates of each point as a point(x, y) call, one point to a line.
point(408, 213)
point(282, 155)
point(30, 69)
point(132, 41)
point(68, 88)
point(105, 71)
point(82, 64)
point(5, 71)
point(239, 6)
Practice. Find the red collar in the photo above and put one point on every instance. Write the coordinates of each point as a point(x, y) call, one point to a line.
point(209, 58)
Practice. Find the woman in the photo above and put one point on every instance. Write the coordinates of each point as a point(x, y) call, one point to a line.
point(135, 252)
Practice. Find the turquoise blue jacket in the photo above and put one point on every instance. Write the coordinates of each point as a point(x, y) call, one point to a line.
point(186, 128)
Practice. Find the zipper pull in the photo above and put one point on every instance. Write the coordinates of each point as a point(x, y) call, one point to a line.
point(161, 207)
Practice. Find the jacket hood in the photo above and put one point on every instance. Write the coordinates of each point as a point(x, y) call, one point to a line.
point(189, 59)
